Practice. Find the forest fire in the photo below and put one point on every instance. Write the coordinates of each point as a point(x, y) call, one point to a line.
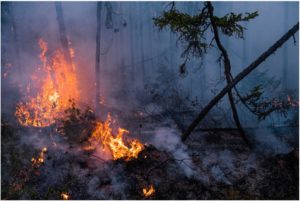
point(104, 136)
point(58, 84)
point(148, 191)
point(149, 100)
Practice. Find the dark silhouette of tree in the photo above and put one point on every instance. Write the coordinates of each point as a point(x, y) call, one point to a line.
point(98, 54)
point(238, 78)
point(192, 31)
point(62, 32)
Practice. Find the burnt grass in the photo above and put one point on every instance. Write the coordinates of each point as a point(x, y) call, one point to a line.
point(83, 176)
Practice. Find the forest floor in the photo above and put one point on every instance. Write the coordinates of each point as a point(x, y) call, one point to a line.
point(208, 166)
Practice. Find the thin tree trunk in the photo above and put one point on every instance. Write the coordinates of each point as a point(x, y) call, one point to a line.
point(245, 51)
point(285, 50)
point(238, 78)
point(62, 33)
point(97, 62)
point(141, 36)
point(15, 37)
point(227, 67)
point(132, 45)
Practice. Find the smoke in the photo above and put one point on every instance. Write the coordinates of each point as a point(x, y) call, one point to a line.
point(268, 142)
point(167, 139)
point(133, 49)
point(132, 53)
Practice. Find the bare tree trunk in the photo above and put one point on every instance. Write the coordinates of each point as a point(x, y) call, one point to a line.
point(97, 61)
point(141, 36)
point(238, 78)
point(16, 39)
point(227, 67)
point(11, 36)
point(285, 50)
point(62, 32)
point(132, 45)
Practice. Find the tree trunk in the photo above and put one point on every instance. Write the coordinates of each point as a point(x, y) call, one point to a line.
point(132, 45)
point(62, 33)
point(141, 36)
point(16, 39)
point(227, 67)
point(97, 62)
point(285, 50)
point(238, 78)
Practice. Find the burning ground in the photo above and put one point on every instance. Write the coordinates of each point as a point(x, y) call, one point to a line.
point(58, 166)
point(81, 157)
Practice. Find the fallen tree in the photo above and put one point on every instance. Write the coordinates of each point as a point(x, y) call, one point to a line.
point(238, 78)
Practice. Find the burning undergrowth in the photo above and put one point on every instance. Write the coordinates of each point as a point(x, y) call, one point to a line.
point(60, 150)
point(49, 90)
point(71, 160)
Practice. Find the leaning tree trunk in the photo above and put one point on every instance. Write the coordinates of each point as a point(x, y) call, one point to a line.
point(62, 33)
point(238, 78)
point(227, 67)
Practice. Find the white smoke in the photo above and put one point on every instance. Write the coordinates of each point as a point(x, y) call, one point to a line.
point(167, 139)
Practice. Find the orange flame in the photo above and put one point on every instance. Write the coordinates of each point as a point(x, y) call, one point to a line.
point(148, 191)
point(103, 136)
point(40, 160)
point(56, 86)
point(65, 196)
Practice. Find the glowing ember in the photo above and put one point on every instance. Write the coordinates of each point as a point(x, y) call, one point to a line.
point(292, 102)
point(148, 191)
point(56, 83)
point(103, 136)
point(40, 160)
point(65, 196)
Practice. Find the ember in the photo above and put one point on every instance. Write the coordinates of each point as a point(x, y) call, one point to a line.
point(65, 196)
point(291, 102)
point(103, 136)
point(148, 191)
point(36, 162)
point(58, 84)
